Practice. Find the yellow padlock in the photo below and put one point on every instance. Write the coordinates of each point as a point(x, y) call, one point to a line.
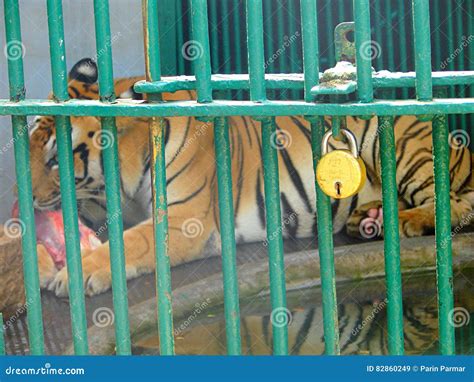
point(340, 173)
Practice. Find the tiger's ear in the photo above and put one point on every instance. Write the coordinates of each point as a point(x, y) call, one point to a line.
point(84, 70)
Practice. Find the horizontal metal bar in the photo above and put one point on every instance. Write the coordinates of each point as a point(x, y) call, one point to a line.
point(216, 109)
point(382, 79)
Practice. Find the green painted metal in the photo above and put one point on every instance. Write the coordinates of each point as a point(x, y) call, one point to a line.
point(309, 27)
point(158, 178)
point(280, 314)
point(67, 179)
point(393, 274)
point(402, 42)
point(255, 48)
point(444, 270)
point(227, 230)
point(326, 248)
point(363, 50)
point(421, 31)
point(110, 157)
point(23, 177)
point(216, 109)
point(2, 341)
point(202, 61)
point(160, 223)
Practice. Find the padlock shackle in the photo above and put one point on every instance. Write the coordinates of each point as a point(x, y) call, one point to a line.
point(350, 137)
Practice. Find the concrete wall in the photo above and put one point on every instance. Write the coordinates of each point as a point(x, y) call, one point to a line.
point(126, 29)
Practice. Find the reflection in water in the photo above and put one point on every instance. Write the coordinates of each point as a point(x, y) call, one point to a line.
point(362, 321)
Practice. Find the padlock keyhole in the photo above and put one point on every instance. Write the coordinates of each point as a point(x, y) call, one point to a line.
point(338, 186)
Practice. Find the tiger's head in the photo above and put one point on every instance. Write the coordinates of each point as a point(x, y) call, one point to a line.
point(87, 141)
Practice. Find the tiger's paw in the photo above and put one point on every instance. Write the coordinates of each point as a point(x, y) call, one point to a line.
point(366, 222)
point(95, 282)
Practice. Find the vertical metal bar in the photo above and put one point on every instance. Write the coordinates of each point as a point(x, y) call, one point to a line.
point(378, 33)
point(293, 57)
point(255, 50)
point(226, 221)
point(326, 248)
point(402, 42)
point(158, 178)
point(214, 44)
point(436, 33)
point(67, 179)
point(421, 30)
point(237, 44)
point(202, 62)
point(329, 35)
point(444, 271)
point(309, 29)
point(393, 274)
point(112, 179)
point(274, 237)
point(15, 50)
point(2, 341)
point(180, 36)
point(363, 43)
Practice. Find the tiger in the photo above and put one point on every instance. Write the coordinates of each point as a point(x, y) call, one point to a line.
point(193, 211)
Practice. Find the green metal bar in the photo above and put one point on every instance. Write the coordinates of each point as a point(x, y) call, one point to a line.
point(329, 36)
point(269, 108)
point(2, 341)
point(237, 43)
point(158, 178)
point(436, 34)
point(202, 61)
point(274, 237)
point(390, 44)
point(180, 36)
point(363, 50)
point(280, 30)
point(112, 178)
point(67, 179)
point(309, 29)
point(15, 49)
point(402, 42)
point(444, 271)
point(226, 219)
point(255, 49)
point(293, 56)
point(378, 33)
point(152, 36)
point(325, 248)
point(421, 31)
point(160, 224)
point(393, 274)
point(215, 46)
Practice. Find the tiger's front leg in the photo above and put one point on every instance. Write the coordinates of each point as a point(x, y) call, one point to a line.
point(187, 238)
